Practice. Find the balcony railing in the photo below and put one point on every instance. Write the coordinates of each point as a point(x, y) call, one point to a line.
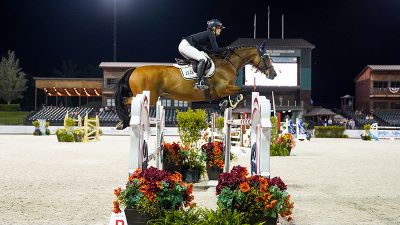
point(385, 91)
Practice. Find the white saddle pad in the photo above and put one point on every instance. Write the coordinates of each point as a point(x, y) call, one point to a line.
point(188, 73)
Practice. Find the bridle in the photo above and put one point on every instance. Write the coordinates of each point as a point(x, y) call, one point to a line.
point(261, 54)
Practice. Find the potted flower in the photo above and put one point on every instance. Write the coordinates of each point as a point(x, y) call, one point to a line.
point(367, 134)
point(263, 199)
point(284, 143)
point(150, 192)
point(37, 131)
point(190, 125)
point(172, 156)
point(213, 152)
point(47, 128)
point(193, 165)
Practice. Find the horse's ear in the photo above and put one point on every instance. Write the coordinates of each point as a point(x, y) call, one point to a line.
point(264, 45)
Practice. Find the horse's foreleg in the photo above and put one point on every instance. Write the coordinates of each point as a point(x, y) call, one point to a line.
point(226, 90)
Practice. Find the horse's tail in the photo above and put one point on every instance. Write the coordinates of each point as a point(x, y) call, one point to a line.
point(122, 90)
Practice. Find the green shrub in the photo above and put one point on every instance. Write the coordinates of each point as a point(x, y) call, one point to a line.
point(190, 125)
point(278, 150)
point(47, 132)
point(67, 138)
point(10, 107)
point(330, 132)
point(63, 135)
point(69, 122)
point(36, 123)
point(200, 216)
point(13, 117)
point(274, 130)
point(219, 123)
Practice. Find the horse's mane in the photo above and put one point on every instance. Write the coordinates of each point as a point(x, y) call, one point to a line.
point(222, 56)
point(243, 46)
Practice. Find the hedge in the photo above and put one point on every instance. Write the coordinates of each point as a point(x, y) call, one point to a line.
point(330, 132)
point(10, 107)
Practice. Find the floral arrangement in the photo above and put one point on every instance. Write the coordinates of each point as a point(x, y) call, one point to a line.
point(173, 153)
point(152, 191)
point(214, 153)
point(282, 145)
point(254, 195)
point(286, 140)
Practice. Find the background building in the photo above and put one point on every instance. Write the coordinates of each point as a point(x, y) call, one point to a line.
point(377, 88)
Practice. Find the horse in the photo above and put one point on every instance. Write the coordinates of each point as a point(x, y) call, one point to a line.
point(167, 81)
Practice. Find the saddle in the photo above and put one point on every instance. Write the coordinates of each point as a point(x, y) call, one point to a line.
point(188, 67)
point(188, 62)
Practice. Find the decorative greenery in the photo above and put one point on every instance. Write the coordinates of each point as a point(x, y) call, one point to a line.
point(78, 135)
point(200, 216)
point(69, 122)
point(366, 136)
point(12, 78)
point(194, 160)
point(36, 123)
point(253, 195)
point(13, 118)
point(219, 123)
point(190, 125)
point(153, 191)
point(330, 132)
point(65, 135)
point(10, 107)
point(274, 129)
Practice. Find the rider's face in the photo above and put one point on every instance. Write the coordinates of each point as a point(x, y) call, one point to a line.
point(217, 31)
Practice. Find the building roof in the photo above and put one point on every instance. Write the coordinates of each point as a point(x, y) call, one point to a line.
point(378, 68)
point(273, 43)
point(132, 64)
point(384, 67)
point(320, 112)
point(68, 78)
point(347, 96)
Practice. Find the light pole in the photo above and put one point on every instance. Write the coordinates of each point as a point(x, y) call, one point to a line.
point(115, 30)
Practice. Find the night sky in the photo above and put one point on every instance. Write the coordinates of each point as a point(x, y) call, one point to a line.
point(348, 35)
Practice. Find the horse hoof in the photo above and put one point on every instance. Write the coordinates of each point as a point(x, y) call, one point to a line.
point(120, 125)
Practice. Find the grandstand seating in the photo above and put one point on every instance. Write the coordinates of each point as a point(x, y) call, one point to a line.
point(359, 118)
point(55, 115)
point(392, 118)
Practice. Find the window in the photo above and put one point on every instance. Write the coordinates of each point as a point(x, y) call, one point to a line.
point(380, 105)
point(110, 102)
point(166, 103)
point(178, 103)
point(395, 84)
point(395, 105)
point(111, 81)
point(380, 84)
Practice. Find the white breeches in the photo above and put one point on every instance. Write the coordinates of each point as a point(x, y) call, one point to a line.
point(190, 52)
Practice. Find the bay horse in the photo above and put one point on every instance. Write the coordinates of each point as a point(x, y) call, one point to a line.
point(167, 81)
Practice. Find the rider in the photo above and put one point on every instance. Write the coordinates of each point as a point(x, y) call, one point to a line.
point(206, 40)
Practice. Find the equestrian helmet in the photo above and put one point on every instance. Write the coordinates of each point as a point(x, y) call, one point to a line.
point(212, 24)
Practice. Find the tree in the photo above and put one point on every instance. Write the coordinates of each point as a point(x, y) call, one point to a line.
point(12, 78)
point(67, 68)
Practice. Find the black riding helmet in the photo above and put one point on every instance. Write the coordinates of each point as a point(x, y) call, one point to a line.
point(211, 24)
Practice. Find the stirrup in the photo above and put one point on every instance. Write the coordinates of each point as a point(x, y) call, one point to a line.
point(200, 85)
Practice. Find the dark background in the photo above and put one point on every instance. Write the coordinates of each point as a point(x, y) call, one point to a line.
point(348, 35)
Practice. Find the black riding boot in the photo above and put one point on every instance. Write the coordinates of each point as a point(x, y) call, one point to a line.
point(200, 76)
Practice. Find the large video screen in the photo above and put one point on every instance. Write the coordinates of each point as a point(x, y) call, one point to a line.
point(285, 67)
